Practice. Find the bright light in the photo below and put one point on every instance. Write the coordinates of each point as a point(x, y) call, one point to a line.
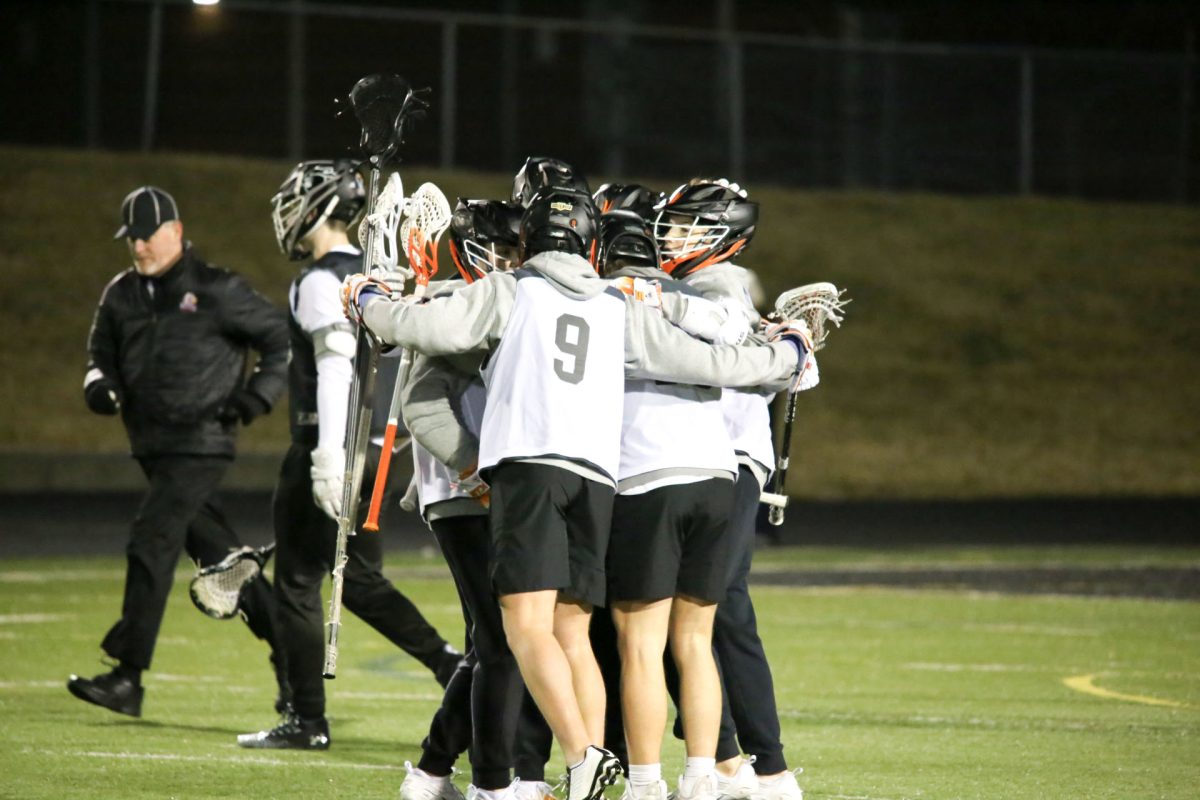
point(205, 2)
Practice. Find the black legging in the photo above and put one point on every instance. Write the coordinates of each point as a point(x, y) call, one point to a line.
point(489, 686)
point(304, 548)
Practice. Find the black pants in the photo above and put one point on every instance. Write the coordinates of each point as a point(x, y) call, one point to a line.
point(745, 673)
point(483, 700)
point(305, 539)
point(178, 512)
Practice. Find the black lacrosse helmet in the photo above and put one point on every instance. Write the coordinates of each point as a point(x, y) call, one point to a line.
point(701, 223)
point(315, 192)
point(477, 229)
point(625, 240)
point(563, 220)
point(539, 173)
point(627, 197)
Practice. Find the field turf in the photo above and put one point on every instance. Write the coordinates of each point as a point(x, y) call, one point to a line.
point(884, 693)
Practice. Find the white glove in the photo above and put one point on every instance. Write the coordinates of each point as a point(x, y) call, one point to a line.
point(809, 377)
point(328, 473)
point(796, 333)
point(736, 326)
point(470, 483)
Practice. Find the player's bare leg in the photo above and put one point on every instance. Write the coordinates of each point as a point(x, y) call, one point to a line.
point(699, 682)
point(529, 626)
point(572, 620)
point(642, 639)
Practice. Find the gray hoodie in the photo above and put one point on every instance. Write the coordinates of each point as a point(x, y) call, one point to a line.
point(474, 317)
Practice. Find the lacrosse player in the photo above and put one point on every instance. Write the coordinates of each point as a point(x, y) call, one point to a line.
point(700, 227)
point(312, 211)
point(442, 405)
point(561, 343)
point(166, 352)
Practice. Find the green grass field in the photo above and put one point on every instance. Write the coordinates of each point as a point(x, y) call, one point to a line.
point(884, 693)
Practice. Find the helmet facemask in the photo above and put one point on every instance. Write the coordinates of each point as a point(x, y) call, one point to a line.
point(702, 224)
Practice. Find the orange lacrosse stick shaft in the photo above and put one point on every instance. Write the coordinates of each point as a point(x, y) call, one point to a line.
point(381, 474)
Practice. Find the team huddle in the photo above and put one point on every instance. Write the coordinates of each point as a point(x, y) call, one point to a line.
point(588, 408)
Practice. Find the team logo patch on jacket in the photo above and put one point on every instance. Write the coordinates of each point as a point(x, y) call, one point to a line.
point(188, 303)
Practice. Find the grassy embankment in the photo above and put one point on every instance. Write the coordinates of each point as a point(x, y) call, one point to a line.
point(995, 346)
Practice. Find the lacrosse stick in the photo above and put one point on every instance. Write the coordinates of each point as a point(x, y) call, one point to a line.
point(383, 105)
point(427, 218)
point(816, 304)
point(217, 589)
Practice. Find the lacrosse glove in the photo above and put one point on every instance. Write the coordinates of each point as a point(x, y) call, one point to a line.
point(796, 333)
point(101, 396)
point(359, 290)
point(243, 404)
point(470, 482)
point(328, 473)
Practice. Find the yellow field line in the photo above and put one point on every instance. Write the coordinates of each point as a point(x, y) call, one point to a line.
point(1086, 684)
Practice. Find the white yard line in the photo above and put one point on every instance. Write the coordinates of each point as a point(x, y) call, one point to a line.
point(232, 758)
point(33, 619)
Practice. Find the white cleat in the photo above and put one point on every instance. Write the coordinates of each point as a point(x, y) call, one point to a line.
point(531, 790)
point(782, 788)
point(652, 791)
point(420, 785)
point(702, 788)
point(742, 785)
point(599, 769)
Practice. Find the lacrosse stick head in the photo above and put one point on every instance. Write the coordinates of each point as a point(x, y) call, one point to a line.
point(378, 231)
point(428, 216)
point(702, 223)
point(540, 173)
point(313, 193)
point(818, 304)
point(217, 589)
point(385, 105)
point(484, 236)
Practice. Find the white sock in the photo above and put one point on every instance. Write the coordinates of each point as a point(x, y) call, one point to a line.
point(699, 767)
point(645, 774)
point(487, 794)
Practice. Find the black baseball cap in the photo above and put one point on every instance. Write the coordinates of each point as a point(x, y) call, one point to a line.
point(143, 210)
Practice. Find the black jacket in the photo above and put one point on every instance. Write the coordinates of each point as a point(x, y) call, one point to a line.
point(178, 351)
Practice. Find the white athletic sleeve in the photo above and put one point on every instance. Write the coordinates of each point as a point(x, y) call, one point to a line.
point(319, 306)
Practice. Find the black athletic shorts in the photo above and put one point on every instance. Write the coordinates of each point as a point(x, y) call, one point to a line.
point(671, 541)
point(549, 530)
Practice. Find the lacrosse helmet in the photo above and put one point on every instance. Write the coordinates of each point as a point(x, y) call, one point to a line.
point(539, 173)
point(625, 240)
point(477, 229)
point(565, 220)
point(703, 222)
point(315, 192)
point(628, 197)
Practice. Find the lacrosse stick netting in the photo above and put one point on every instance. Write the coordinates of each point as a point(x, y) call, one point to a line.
point(217, 589)
point(815, 303)
point(427, 218)
point(378, 232)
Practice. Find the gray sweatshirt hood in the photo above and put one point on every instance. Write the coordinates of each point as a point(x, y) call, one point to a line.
point(570, 274)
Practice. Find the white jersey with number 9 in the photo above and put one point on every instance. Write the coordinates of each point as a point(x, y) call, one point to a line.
point(555, 384)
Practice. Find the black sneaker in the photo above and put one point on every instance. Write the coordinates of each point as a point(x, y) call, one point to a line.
point(292, 733)
point(111, 690)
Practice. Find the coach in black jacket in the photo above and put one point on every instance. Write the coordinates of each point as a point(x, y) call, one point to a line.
point(168, 350)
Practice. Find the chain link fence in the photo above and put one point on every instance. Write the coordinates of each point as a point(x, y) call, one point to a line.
point(255, 77)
